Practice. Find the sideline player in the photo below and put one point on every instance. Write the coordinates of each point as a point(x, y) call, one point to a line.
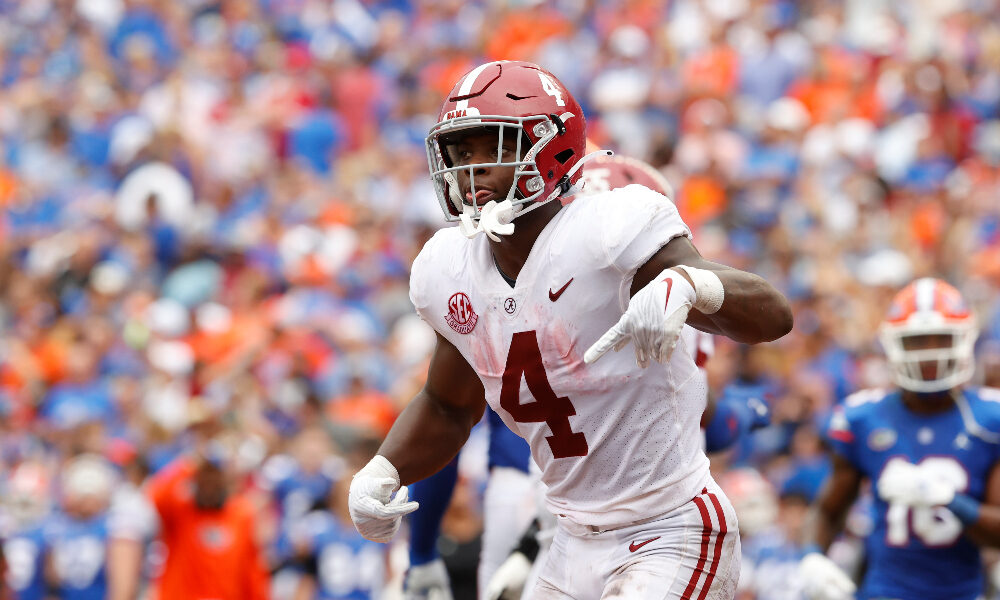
point(931, 450)
point(519, 314)
point(510, 497)
point(76, 537)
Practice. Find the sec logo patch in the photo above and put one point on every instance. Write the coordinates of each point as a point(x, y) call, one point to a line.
point(461, 317)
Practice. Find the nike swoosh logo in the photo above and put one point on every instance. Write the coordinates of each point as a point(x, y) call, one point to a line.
point(553, 296)
point(633, 546)
point(670, 286)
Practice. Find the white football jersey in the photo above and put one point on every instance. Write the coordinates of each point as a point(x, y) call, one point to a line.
point(616, 444)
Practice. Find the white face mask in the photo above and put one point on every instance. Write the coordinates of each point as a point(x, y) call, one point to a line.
point(954, 363)
point(496, 218)
point(445, 177)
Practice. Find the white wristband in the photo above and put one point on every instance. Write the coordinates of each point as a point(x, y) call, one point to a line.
point(379, 466)
point(707, 288)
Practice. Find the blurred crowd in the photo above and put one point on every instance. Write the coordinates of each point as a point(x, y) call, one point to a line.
point(208, 209)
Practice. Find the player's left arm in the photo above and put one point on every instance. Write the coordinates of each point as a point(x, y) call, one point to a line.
point(981, 519)
point(752, 310)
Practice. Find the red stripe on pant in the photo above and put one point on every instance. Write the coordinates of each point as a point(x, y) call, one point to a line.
point(718, 545)
point(706, 535)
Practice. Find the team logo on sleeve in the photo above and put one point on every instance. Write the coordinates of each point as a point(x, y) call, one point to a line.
point(460, 315)
point(881, 439)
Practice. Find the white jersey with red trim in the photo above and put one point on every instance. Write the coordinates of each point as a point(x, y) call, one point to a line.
point(616, 444)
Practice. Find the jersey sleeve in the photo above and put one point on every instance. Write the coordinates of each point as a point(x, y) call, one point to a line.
point(635, 223)
point(420, 279)
point(841, 434)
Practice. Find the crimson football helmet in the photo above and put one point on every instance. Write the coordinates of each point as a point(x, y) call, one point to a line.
point(606, 173)
point(505, 96)
point(929, 307)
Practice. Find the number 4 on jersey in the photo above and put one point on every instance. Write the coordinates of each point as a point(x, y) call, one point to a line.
point(525, 359)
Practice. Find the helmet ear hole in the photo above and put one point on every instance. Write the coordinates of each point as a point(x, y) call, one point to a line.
point(559, 123)
point(565, 155)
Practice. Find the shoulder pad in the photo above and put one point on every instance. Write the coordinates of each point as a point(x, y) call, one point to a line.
point(863, 397)
point(988, 394)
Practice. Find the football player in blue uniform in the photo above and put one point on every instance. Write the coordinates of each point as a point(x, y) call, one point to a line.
point(76, 538)
point(24, 510)
point(930, 449)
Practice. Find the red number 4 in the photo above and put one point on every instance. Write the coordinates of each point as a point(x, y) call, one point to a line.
point(525, 358)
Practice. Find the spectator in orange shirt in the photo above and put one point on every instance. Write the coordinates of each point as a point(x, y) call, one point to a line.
point(363, 408)
point(209, 532)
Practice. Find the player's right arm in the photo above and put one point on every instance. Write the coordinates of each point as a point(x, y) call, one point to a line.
point(826, 519)
point(437, 422)
point(428, 434)
point(822, 578)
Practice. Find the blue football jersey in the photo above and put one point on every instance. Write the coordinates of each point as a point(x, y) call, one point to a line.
point(347, 566)
point(24, 552)
point(296, 491)
point(78, 551)
point(771, 570)
point(507, 449)
point(918, 553)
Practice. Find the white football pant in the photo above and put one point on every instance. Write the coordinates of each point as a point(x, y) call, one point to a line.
point(691, 553)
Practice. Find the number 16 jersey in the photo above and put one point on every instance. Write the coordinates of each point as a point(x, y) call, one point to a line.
point(616, 444)
point(919, 552)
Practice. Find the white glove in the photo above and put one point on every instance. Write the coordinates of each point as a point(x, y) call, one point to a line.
point(508, 581)
point(375, 515)
point(652, 322)
point(823, 579)
point(427, 582)
point(908, 484)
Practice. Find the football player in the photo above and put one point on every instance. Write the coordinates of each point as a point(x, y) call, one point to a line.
point(76, 538)
point(25, 509)
point(930, 450)
point(510, 494)
point(522, 314)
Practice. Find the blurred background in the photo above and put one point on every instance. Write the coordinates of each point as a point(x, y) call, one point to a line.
point(208, 210)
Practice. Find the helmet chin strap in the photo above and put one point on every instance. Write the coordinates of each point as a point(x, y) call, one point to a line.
point(495, 219)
